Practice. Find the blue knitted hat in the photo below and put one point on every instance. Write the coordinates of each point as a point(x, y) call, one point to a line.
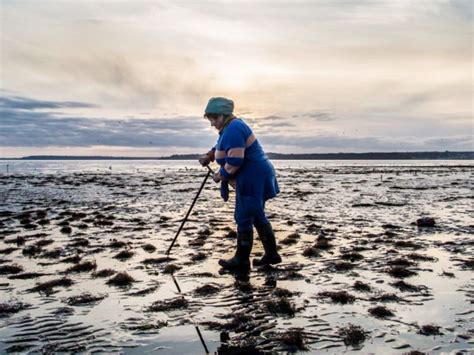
point(220, 106)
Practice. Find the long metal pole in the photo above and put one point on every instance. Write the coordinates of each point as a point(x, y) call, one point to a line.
point(190, 209)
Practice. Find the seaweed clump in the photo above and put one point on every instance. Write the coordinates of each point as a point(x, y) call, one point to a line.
point(352, 335)
point(171, 268)
point(6, 309)
point(84, 299)
point(293, 339)
point(48, 287)
point(10, 269)
point(238, 322)
point(341, 266)
point(83, 267)
point(206, 290)
point(124, 255)
point(281, 306)
point(103, 273)
point(406, 287)
point(381, 312)
point(168, 305)
point(291, 239)
point(282, 292)
point(352, 256)
point(150, 248)
point(322, 243)
point(121, 279)
point(157, 261)
point(311, 252)
point(198, 256)
point(400, 272)
point(341, 297)
point(363, 287)
point(430, 329)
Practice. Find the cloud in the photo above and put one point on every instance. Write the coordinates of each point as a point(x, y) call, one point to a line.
point(337, 143)
point(18, 102)
point(22, 125)
point(463, 9)
point(28, 122)
point(321, 116)
point(269, 122)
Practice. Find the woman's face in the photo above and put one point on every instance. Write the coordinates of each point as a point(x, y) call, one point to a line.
point(216, 122)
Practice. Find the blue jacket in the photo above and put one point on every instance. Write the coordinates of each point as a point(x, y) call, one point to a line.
point(241, 157)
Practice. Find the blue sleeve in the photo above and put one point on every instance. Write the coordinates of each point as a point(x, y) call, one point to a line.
point(233, 142)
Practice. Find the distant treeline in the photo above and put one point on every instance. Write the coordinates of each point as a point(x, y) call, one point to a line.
point(279, 156)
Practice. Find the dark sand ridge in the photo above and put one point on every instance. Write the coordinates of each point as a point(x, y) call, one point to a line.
point(82, 263)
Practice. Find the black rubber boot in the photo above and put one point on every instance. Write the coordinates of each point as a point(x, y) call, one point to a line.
point(267, 236)
point(241, 260)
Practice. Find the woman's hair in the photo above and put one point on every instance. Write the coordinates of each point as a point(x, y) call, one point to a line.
point(215, 115)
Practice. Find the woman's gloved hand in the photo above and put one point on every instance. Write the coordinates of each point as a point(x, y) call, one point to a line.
point(217, 177)
point(204, 160)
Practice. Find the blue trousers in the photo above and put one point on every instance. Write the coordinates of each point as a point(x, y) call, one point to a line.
point(249, 211)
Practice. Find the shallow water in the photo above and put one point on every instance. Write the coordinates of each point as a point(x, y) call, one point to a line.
point(363, 207)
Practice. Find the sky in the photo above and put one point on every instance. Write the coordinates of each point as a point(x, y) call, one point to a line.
point(132, 78)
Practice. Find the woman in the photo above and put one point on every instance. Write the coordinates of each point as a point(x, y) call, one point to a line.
point(244, 165)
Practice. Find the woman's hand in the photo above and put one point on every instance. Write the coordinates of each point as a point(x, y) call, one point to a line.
point(217, 177)
point(233, 183)
point(204, 160)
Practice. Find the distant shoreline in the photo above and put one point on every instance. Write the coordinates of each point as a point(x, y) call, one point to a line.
point(447, 155)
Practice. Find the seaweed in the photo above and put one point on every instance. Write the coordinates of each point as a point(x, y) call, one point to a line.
point(84, 299)
point(116, 244)
point(311, 252)
point(400, 262)
point(352, 335)
point(10, 269)
point(386, 297)
point(150, 248)
point(26, 276)
point(171, 268)
point(341, 297)
point(363, 287)
point(168, 305)
point(381, 312)
point(206, 290)
point(121, 279)
point(291, 239)
point(157, 261)
point(430, 329)
point(280, 306)
point(124, 255)
point(6, 309)
point(66, 230)
point(420, 257)
point(294, 339)
point(352, 256)
point(406, 287)
point(48, 287)
point(400, 272)
point(282, 292)
point(407, 244)
point(342, 266)
point(82, 267)
point(322, 243)
point(199, 256)
point(31, 250)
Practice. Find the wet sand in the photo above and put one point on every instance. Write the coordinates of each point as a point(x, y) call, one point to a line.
point(83, 267)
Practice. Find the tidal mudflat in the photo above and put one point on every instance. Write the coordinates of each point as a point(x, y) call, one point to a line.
point(377, 258)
